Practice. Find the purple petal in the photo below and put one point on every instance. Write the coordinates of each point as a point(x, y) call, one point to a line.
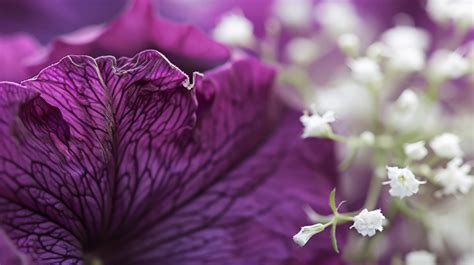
point(45, 19)
point(14, 53)
point(118, 160)
point(9, 254)
point(136, 30)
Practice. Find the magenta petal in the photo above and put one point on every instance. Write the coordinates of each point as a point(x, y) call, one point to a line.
point(122, 161)
point(136, 30)
point(9, 254)
point(15, 50)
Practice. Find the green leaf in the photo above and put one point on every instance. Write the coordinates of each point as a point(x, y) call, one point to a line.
point(333, 238)
point(332, 201)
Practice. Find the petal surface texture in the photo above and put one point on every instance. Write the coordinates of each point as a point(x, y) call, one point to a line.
point(122, 161)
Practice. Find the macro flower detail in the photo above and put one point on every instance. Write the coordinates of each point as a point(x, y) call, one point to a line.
point(447, 64)
point(316, 125)
point(455, 177)
point(420, 257)
point(368, 222)
point(306, 232)
point(415, 151)
point(446, 145)
point(122, 161)
point(402, 182)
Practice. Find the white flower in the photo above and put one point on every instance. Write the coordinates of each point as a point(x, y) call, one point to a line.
point(337, 17)
point(420, 257)
point(347, 98)
point(349, 43)
point(315, 125)
point(406, 37)
point(446, 64)
point(415, 151)
point(405, 48)
point(446, 146)
point(367, 138)
point(234, 29)
point(461, 12)
point(366, 70)
point(402, 182)
point(302, 51)
point(294, 13)
point(406, 60)
point(455, 177)
point(407, 102)
point(306, 232)
point(366, 223)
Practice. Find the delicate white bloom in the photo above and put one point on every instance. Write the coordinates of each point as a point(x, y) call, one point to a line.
point(406, 37)
point(306, 232)
point(234, 29)
point(420, 257)
point(349, 43)
point(377, 51)
point(302, 51)
point(337, 17)
point(415, 151)
point(467, 259)
point(446, 64)
point(406, 48)
point(406, 60)
point(408, 102)
point(367, 138)
point(315, 125)
point(446, 145)
point(402, 182)
point(347, 98)
point(366, 70)
point(455, 177)
point(366, 223)
point(461, 12)
point(294, 13)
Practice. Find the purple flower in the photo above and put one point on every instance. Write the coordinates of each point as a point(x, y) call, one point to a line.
point(123, 161)
point(45, 19)
point(138, 29)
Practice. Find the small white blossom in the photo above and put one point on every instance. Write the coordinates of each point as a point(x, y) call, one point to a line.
point(402, 182)
point(415, 151)
point(406, 60)
point(337, 17)
point(455, 177)
point(461, 12)
point(302, 51)
point(420, 257)
point(366, 223)
point(446, 145)
point(306, 232)
point(408, 102)
point(367, 138)
point(406, 48)
point(446, 64)
point(377, 51)
point(366, 70)
point(294, 13)
point(234, 29)
point(406, 37)
point(315, 125)
point(349, 43)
